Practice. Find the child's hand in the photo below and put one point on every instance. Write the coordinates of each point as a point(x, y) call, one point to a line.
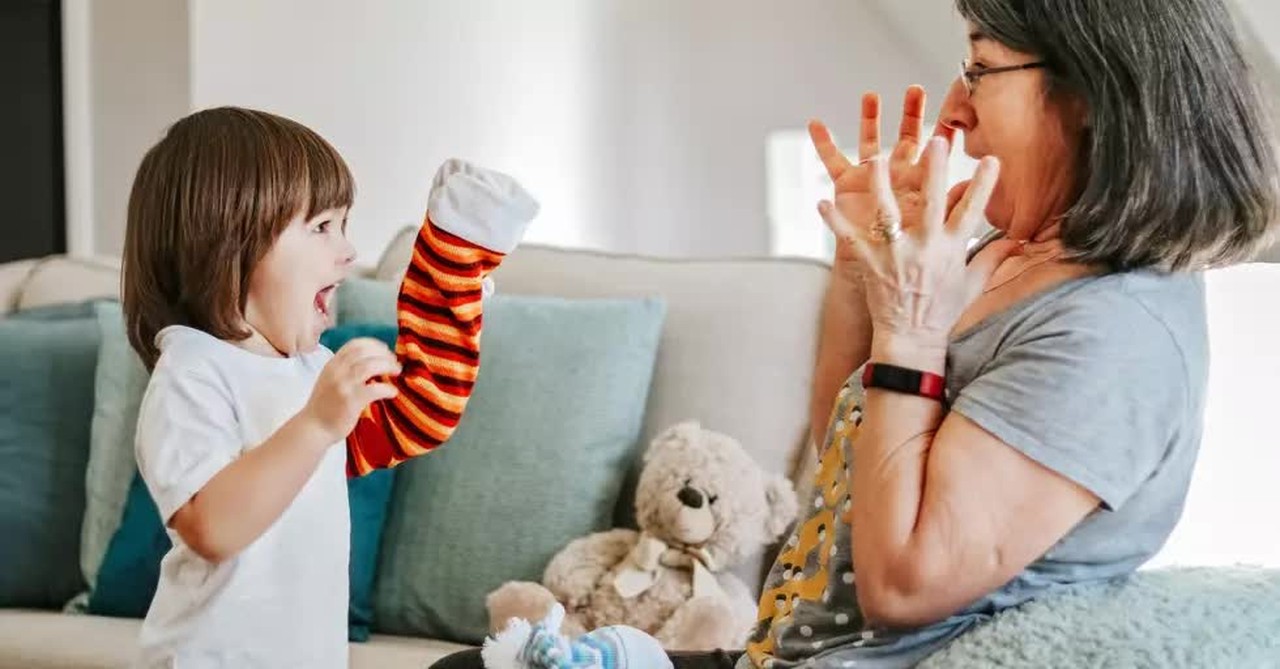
point(347, 385)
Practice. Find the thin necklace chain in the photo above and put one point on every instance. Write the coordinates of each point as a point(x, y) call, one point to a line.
point(1024, 270)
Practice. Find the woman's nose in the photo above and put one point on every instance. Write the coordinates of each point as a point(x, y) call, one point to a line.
point(956, 112)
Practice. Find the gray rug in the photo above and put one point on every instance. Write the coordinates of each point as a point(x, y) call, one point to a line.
point(1202, 617)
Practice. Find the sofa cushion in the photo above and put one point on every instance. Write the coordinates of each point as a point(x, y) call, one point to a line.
point(48, 640)
point(46, 401)
point(537, 460)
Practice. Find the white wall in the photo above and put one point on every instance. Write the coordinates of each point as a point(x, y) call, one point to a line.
point(701, 84)
point(640, 124)
point(1263, 16)
point(1231, 508)
point(398, 87)
point(126, 67)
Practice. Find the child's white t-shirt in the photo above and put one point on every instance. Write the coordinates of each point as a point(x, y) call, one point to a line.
point(282, 602)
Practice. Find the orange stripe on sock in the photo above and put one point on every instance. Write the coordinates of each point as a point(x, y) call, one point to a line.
point(440, 315)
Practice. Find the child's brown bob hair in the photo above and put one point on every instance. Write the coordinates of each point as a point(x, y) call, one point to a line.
point(207, 203)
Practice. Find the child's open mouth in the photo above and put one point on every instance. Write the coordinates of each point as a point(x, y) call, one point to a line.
point(324, 300)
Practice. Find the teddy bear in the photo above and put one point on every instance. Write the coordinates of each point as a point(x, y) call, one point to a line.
point(702, 506)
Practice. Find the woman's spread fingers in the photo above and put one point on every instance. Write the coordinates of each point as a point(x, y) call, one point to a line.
point(832, 159)
point(968, 214)
point(912, 126)
point(836, 222)
point(869, 136)
point(934, 166)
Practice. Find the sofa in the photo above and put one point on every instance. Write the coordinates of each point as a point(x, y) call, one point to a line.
point(735, 351)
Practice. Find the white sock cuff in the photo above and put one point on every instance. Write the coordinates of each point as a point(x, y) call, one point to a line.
point(483, 206)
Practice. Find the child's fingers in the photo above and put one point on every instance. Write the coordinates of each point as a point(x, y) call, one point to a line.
point(362, 347)
point(374, 392)
point(373, 367)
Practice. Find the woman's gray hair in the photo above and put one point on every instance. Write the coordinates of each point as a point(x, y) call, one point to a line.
point(1179, 167)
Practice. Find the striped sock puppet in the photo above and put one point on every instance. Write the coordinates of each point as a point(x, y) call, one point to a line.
point(474, 218)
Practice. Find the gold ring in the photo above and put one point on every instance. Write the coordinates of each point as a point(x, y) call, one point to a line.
point(887, 228)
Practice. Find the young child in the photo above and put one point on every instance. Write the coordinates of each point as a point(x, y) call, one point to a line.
point(236, 243)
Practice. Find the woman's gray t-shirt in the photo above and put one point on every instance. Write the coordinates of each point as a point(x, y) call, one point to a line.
point(1100, 379)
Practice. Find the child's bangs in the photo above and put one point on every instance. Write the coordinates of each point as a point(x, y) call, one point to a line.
point(327, 180)
point(305, 173)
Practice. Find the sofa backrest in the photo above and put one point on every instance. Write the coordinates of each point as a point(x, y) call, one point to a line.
point(55, 280)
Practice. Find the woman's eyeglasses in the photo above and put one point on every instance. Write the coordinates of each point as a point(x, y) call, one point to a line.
point(971, 76)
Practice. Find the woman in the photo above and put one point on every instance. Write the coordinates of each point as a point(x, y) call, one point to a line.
point(1031, 416)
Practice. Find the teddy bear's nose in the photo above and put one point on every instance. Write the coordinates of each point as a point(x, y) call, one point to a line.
point(690, 497)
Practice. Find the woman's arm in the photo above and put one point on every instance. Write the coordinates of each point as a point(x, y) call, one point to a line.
point(844, 342)
point(949, 512)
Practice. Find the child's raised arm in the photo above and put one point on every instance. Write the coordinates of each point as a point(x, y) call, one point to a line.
point(474, 218)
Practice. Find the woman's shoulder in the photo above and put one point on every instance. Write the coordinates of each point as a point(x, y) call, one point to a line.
point(1143, 320)
point(1137, 301)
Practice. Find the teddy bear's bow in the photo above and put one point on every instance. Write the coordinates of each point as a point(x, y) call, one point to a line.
point(650, 555)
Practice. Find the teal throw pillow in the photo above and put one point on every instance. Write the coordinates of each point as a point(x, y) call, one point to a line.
point(130, 568)
point(46, 401)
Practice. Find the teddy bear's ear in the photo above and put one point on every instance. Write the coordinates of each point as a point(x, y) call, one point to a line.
point(782, 506)
point(677, 435)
